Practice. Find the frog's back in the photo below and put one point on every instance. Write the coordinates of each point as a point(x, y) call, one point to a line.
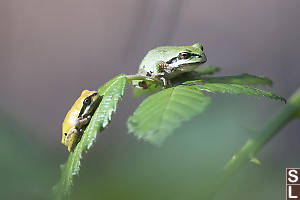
point(149, 61)
point(159, 54)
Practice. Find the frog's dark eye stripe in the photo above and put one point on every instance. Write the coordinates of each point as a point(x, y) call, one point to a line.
point(86, 102)
point(90, 104)
point(94, 94)
point(172, 60)
point(187, 55)
point(201, 48)
point(184, 55)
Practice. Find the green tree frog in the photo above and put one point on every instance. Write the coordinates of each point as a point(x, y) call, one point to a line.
point(167, 62)
point(79, 117)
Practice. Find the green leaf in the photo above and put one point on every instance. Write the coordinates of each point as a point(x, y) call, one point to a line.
point(137, 92)
point(243, 79)
point(159, 114)
point(194, 75)
point(294, 101)
point(208, 70)
point(237, 89)
point(112, 91)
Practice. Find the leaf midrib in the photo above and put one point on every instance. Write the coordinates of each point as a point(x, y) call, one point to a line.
point(166, 108)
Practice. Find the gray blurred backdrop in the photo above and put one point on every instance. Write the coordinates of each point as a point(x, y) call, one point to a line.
point(51, 50)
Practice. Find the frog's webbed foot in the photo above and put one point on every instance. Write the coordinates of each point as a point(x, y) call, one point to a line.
point(165, 67)
point(74, 130)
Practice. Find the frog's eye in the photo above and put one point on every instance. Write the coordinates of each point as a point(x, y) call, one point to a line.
point(201, 48)
point(65, 134)
point(184, 55)
point(87, 101)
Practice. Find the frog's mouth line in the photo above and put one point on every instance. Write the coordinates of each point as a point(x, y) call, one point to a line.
point(193, 63)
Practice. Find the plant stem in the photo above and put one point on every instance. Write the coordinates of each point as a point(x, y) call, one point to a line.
point(254, 145)
point(136, 77)
point(141, 77)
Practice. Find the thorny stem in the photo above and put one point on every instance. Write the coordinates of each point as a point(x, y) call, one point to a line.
point(254, 145)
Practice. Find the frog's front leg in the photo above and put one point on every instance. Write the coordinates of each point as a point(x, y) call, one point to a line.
point(164, 69)
point(82, 121)
point(166, 82)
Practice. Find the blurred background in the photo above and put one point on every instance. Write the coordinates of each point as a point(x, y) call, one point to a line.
point(51, 50)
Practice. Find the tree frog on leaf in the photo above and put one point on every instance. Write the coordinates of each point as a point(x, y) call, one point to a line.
point(167, 62)
point(79, 117)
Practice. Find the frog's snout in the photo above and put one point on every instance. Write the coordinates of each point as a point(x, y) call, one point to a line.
point(203, 57)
